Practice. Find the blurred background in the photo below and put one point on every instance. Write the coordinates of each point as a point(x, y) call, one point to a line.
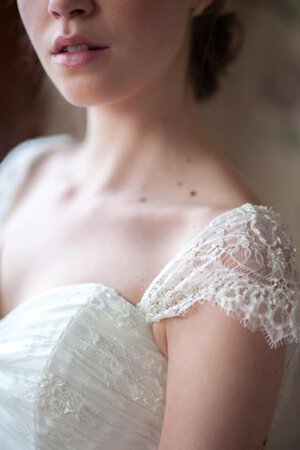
point(255, 120)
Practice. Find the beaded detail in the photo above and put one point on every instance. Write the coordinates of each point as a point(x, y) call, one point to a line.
point(58, 399)
point(78, 364)
point(79, 373)
point(243, 262)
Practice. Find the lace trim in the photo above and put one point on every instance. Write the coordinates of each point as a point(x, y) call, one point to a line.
point(245, 264)
point(112, 349)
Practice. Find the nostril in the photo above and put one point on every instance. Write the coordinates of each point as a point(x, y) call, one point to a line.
point(77, 11)
point(68, 13)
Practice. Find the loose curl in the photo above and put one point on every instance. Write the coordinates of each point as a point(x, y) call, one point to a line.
point(216, 39)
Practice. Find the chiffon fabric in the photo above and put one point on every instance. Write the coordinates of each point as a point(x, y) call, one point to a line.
point(79, 368)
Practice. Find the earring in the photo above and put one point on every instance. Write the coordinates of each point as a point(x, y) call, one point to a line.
point(197, 11)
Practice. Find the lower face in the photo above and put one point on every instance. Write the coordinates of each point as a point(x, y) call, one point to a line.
point(143, 37)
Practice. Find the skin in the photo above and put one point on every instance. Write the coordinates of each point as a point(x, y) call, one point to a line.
point(140, 108)
point(144, 155)
point(144, 146)
point(144, 150)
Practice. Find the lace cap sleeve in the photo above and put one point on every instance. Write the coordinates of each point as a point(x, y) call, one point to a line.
point(244, 262)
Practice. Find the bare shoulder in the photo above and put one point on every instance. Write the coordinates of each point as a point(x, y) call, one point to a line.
point(218, 187)
point(42, 161)
point(205, 340)
point(232, 186)
point(50, 157)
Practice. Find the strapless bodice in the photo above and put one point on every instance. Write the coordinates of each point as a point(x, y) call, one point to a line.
point(79, 367)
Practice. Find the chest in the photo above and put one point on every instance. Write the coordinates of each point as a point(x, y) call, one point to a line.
point(47, 243)
point(51, 241)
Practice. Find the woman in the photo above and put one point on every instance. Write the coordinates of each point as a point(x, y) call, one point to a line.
point(149, 299)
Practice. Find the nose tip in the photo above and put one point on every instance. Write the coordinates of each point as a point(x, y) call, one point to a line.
point(70, 9)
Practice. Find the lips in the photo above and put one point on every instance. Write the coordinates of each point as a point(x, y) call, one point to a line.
point(63, 41)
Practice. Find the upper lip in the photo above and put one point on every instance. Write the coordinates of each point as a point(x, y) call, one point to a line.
point(62, 41)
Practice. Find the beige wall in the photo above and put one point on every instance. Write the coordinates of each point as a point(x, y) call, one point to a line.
point(257, 119)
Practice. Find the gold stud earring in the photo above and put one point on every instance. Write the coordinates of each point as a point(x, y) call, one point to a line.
point(197, 11)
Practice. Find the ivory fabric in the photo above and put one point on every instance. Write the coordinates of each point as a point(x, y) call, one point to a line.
point(79, 368)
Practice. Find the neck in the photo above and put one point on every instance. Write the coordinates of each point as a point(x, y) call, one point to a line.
point(143, 140)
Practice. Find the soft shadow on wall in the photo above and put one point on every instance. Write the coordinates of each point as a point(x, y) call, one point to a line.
point(257, 115)
point(30, 106)
point(21, 110)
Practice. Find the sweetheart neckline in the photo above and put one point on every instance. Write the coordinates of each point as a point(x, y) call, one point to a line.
point(44, 293)
point(186, 246)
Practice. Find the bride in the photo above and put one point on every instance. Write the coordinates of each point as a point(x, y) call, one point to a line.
point(149, 300)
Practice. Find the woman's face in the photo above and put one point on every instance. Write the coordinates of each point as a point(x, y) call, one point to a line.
point(144, 39)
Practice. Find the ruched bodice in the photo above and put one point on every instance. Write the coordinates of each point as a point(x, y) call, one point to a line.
point(79, 368)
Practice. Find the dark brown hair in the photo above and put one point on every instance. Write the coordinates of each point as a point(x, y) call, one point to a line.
point(216, 39)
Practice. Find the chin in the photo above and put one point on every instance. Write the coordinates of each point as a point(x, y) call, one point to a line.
point(89, 95)
point(83, 94)
point(81, 99)
point(86, 90)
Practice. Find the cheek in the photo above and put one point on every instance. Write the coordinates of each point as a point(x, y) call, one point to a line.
point(150, 29)
point(32, 18)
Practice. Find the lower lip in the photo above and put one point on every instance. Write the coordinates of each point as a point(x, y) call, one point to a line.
point(75, 59)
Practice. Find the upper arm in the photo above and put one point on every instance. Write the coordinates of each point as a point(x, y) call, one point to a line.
point(222, 383)
point(238, 291)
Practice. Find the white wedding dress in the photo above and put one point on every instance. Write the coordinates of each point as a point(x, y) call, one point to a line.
point(79, 368)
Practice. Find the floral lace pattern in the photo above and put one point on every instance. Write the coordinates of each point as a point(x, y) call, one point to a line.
point(100, 380)
point(81, 369)
point(243, 262)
